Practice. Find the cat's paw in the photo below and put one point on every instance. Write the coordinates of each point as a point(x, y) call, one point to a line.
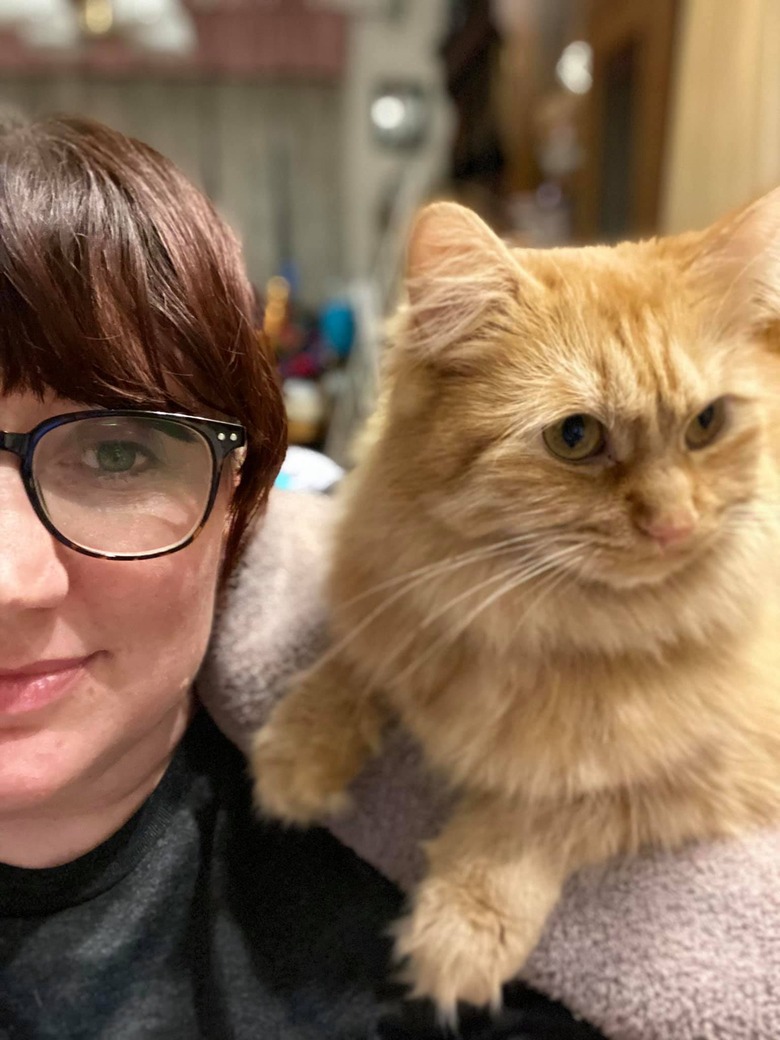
point(455, 947)
point(297, 784)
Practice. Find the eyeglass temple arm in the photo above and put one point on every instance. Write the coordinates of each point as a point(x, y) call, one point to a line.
point(17, 443)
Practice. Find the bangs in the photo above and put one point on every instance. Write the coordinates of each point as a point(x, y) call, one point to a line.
point(120, 286)
point(112, 281)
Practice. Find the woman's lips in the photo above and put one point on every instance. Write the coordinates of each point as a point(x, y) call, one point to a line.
point(37, 685)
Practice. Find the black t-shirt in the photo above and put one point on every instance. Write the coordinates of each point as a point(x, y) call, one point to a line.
point(196, 920)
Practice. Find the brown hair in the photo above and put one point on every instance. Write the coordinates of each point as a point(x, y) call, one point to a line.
point(121, 286)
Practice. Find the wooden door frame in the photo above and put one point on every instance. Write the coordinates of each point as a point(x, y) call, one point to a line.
point(612, 26)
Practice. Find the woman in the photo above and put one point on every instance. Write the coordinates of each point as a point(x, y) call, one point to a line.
point(143, 428)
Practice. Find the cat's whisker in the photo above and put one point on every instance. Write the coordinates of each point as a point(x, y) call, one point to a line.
point(756, 503)
point(758, 511)
point(528, 566)
point(551, 562)
point(446, 567)
point(756, 515)
point(738, 523)
point(766, 519)
point(517, 578)
point(523, 570)
point(447, 564)
point(554, 582)
point(435, 615)
point(452, 636)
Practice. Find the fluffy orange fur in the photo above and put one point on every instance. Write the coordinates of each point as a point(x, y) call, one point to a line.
point(586, 686)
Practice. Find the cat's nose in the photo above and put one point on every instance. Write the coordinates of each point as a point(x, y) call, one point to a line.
point(670, 530)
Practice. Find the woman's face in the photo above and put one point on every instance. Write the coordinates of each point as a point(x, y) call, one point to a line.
point(97, 657)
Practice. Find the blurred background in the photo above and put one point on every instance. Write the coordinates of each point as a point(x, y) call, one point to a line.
point(319, 126)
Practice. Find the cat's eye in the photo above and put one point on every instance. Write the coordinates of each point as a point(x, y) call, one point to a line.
point(703, 430)
point(575, 438)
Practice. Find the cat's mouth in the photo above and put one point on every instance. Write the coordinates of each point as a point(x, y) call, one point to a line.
point(631, 566)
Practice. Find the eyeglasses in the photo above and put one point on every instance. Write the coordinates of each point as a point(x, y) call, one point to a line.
point(124, 484)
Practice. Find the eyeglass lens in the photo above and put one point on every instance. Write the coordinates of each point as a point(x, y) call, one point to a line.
point(124, 485)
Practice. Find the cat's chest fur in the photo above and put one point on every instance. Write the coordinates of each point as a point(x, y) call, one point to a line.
point(536, 725)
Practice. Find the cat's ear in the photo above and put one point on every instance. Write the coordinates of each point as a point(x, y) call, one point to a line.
point(740, 259)
point(461, 283)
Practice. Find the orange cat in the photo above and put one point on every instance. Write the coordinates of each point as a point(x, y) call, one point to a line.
point(558, 566)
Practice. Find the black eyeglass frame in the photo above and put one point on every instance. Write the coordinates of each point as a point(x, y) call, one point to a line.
point(221, 437)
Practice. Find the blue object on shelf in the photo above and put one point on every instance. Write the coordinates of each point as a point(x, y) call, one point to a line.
point(307, 470)
point(337, 326)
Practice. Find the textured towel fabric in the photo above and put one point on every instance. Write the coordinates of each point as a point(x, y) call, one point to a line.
point(664, 947)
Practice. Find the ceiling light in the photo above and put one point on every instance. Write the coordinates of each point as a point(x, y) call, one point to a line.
point(388, 112)
point(97, 17)
point(164, 26)
point(59, 29)
point(575, 67)
point(173, 34)
point(14, 11)
point(144, 12)
point(399, 115)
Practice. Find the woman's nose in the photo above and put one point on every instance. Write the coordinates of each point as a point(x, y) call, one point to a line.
point(32, 575)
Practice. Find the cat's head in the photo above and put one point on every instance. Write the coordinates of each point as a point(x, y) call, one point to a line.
point(611, 408)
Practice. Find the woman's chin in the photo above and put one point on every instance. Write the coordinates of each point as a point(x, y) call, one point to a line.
point(31, 774)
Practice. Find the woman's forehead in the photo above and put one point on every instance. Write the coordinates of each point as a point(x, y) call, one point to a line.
point(20, 411)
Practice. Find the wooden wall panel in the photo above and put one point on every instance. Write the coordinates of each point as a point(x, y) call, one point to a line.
point(267, 154)
point(725, 119)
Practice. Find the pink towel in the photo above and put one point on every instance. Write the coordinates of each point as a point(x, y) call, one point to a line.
point(664, 947)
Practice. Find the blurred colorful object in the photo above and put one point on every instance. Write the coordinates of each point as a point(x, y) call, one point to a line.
point(306, 345)
point(337, 326)
point(277, 302)
point(165, 26)
point(42, 23)
point(237, 38)
point(305, 406)
point(309, 349)
point(307, 470)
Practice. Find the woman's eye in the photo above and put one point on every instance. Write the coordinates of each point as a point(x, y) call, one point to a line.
point(703, 430)
point(115, 457)
point(575, 438)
